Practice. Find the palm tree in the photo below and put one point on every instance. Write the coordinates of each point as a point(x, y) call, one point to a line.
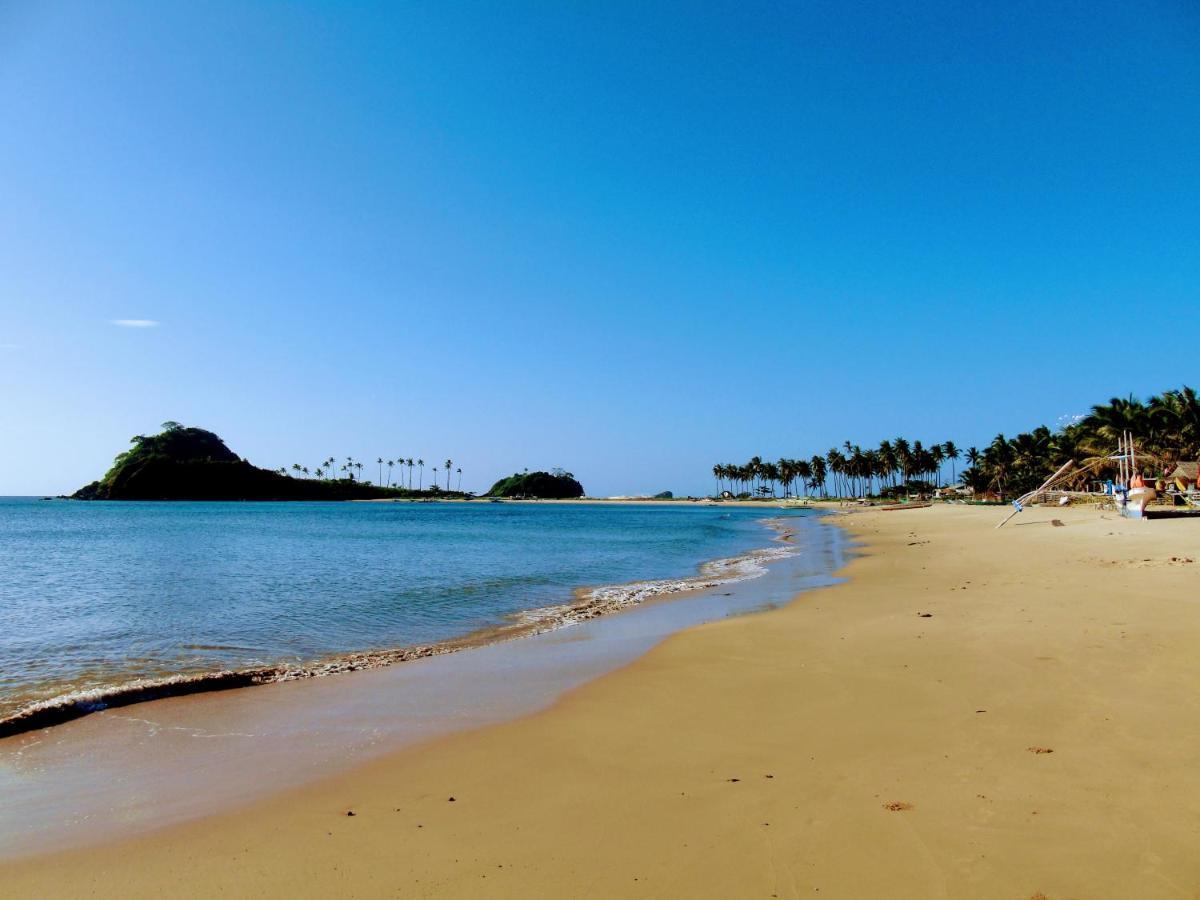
point(359, 466)
point(903, 457)
point(1107, 422)
point(804, 472)
point(305, 471)
point(391, 462)
point(770, 475)
point(817, 467)
point(951, 453)
point(837, 465)
point(433, 481)
point(449, 463)
point(296, 468)
point(998, 457)
point(319, 473)
point(936, 457)
point(459, 471)
point(421, 474)
point(887, 461)
point(379, 462)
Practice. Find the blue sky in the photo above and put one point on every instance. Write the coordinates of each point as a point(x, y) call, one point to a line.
point(628, 239)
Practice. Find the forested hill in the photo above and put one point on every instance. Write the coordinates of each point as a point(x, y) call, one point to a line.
point(183, 463)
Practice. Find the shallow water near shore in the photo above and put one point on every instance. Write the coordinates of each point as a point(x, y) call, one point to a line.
point(123, 771)
point(98, 597)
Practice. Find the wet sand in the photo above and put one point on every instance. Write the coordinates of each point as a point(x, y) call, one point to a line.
point(128, 770)
point(975, 713)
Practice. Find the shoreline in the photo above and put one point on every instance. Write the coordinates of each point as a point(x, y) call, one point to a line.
point(195, 756)
point(972, 713)
point(588, 603)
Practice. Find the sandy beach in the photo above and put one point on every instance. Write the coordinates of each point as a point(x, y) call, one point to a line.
point(974, 713)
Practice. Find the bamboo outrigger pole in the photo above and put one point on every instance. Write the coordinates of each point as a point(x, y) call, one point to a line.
point(1019, 503)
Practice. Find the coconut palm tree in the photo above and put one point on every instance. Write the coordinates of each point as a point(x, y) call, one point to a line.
point(818, 472)
point(803, 469)
point(379, 462)
point(390, 464)
point(459, 472)
point(449, 463)
point(951, 452)
point(421, 474)
point(904, 457)
point(770, 475)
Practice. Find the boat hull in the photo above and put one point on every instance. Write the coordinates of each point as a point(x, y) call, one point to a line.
point(1136, 502)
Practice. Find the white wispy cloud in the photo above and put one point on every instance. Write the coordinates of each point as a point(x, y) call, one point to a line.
point(135, 323)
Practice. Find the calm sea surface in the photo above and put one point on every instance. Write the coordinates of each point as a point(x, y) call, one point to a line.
point(93, 595)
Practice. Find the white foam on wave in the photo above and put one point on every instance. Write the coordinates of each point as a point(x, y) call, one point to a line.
point(599, 601)
point(590, 603)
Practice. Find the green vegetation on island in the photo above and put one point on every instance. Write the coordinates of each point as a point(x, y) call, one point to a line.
point(183, 463)
point(555, 485)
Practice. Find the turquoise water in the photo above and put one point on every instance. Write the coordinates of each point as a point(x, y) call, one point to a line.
point(94, 595)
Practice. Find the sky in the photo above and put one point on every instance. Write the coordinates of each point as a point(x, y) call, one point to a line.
point(628, 239)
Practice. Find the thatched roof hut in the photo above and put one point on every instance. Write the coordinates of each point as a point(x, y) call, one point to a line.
point(1184, 474)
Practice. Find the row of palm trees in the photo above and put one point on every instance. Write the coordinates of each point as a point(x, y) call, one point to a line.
point(1165, 429)
point(352, 470)
point(852, 470)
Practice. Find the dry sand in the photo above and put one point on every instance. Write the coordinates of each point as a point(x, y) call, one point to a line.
point(976, 713)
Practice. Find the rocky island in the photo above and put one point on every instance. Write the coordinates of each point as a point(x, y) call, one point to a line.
point(556, 485)
point(182, 463)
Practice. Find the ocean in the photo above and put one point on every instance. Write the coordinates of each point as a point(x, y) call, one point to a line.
point(95, 597)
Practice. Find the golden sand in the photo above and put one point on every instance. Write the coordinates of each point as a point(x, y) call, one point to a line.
point(976, 713)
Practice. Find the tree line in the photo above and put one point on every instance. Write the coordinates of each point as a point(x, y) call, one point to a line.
point(352, 470)
point(849, 470)
point(1165, 428)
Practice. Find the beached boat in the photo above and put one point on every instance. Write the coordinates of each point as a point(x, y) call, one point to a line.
point(1133, 502)
point(1133, 495)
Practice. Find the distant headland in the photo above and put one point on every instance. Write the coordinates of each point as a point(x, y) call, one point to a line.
point(185, 463)
point(182, 463)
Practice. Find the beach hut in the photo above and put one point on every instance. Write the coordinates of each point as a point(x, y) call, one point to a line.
point(1184, 475)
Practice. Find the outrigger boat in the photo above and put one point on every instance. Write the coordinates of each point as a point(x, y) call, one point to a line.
point(1132, 495)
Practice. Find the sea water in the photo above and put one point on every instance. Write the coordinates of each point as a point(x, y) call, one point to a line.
point(127, 769)
point(96, 595)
